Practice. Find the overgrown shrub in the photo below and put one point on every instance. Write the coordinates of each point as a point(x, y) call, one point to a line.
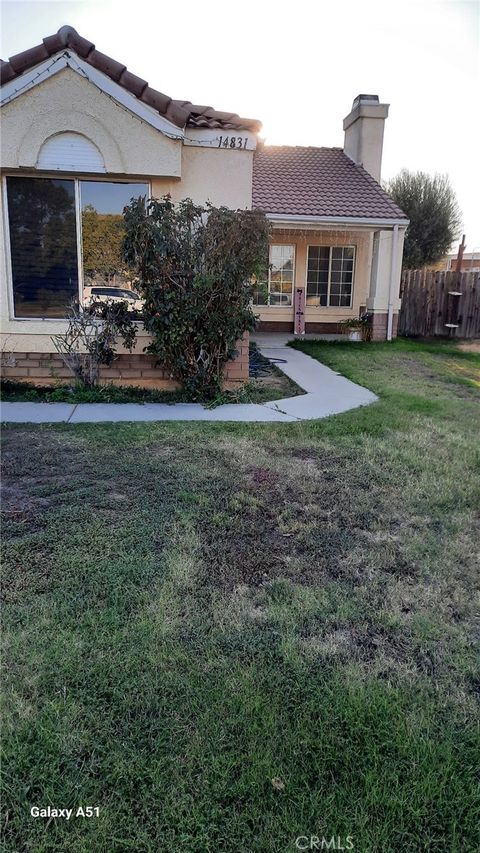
point(195, 266)
point(91, 338)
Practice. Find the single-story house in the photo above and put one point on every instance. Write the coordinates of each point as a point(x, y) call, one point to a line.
point(81, 135)
point(470, 262)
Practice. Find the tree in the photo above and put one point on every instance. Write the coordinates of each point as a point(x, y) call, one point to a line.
point(435, 218)
point(43, 230)
point(102, 242)
point(195, 266)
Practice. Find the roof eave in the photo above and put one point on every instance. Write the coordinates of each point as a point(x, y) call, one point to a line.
point(359, 221)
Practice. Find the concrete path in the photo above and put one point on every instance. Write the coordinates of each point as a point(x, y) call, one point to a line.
point(328, 393)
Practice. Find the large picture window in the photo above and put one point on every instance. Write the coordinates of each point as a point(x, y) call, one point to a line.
point(330, 276)
point(43, 245)
point(53, 250)
point(279, 288)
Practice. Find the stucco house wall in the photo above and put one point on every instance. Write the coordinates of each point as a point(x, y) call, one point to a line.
point(68, 102)
point(223, 178)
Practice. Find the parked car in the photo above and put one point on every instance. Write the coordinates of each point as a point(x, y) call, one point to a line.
point(113, 294)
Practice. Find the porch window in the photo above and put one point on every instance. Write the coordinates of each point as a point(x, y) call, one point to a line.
point(278, 289)
point(65, 234)
point(330, 276)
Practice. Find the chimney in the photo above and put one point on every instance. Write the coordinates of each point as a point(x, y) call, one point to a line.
point(363, 128)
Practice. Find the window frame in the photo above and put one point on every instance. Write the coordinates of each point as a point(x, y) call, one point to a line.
point(294, 262)
point(76, 177)
point(329, 282)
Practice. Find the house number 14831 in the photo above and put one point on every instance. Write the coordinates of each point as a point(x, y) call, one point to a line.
point(233, 142)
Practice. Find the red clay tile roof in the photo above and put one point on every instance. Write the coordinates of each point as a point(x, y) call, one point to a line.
point(181, 113)
point(317, 182)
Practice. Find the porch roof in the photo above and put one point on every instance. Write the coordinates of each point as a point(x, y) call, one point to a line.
point(317, 182)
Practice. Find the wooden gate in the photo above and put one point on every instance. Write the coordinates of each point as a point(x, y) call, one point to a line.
point(440, 303)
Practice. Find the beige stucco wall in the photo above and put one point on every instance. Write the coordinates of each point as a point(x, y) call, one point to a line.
point(222, 177)
point(362, 240)
point(68, 102)
point(364, 128)
point(364, 145)
point(25, 339)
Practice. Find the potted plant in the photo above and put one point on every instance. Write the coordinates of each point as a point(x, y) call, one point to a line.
point(354, 328)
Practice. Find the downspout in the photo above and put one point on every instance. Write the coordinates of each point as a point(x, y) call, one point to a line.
point(393, 273)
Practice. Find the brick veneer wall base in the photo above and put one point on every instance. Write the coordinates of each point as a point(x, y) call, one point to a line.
point(275, 326)
point(286, 326)
point(128, 369)
point(378, 326)
point(323, 329)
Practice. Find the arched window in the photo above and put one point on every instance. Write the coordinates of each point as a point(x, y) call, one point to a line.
point(70, 152)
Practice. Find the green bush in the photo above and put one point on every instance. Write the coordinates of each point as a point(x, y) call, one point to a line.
point(195, 266)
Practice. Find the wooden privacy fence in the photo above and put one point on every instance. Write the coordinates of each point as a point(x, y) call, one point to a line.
point(440, 303)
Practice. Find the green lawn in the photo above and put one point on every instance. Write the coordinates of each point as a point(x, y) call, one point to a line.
point(194, 610)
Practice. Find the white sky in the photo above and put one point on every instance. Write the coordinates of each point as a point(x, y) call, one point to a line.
point(298, 65)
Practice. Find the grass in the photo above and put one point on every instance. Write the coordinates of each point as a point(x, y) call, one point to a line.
point(194, 610)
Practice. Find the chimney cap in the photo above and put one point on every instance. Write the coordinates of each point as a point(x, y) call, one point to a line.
point(365, 106)
point(365, 99)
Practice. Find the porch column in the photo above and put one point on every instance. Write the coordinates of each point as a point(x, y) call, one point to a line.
point(385, 282)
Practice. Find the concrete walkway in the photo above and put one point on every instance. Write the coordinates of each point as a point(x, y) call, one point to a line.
point(328, 393)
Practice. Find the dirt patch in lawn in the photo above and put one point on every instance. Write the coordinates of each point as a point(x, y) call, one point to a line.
point(40, 476)
point(307, 518)
point(415, 368)
point(16, 497)
point(470, 346)
point(267, 378)
point(277, 381)
point(264, 477)
point(442, 373)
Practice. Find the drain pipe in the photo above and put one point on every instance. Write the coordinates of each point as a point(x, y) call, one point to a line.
point(393, 273)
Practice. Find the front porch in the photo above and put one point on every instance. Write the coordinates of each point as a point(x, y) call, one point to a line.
point(321, 276)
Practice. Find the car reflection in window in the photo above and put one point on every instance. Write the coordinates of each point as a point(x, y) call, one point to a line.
point(113, 294)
